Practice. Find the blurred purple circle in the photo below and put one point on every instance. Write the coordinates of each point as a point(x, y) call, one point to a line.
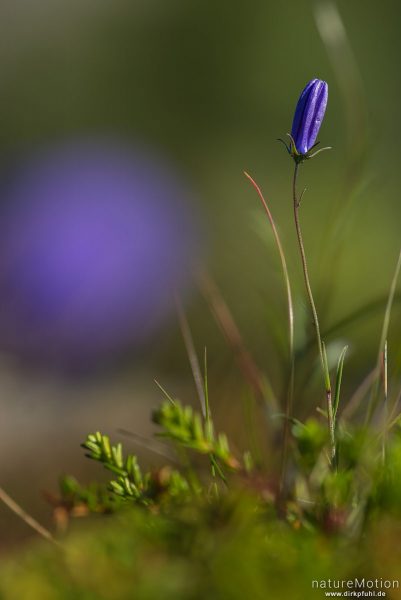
point(94, 238)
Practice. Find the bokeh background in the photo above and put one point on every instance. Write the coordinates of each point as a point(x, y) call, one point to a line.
point(125, 128)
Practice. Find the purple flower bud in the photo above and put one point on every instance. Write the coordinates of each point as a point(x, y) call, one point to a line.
point(309, 114)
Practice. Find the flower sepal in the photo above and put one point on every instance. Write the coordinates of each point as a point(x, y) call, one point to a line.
point(298, 157)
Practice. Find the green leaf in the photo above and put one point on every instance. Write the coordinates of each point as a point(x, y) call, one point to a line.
point(339, 377)
point(326, 370)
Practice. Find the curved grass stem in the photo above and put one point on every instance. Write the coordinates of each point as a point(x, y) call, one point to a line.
point(290, 308)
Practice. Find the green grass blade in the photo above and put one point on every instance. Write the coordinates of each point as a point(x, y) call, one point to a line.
point(326, 370)
point(384, 335)
point(339, 376)
point(191, 352)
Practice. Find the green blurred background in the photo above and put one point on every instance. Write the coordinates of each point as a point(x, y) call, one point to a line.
point(211, 86)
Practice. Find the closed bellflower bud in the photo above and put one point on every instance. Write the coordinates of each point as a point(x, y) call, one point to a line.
point(308, 117)
point(309, 114)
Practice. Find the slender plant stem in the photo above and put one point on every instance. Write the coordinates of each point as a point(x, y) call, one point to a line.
point(385, 405)
point(290, 308)
point(30, 521)
point(322, 354)
point(384, 334)
point(150, 444)
point(191, 352)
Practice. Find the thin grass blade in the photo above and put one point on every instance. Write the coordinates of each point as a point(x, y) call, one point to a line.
point(339, 376)
point(384, 335)
point(191, 352)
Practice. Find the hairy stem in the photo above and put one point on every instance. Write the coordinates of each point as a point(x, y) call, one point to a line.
point(323, 359)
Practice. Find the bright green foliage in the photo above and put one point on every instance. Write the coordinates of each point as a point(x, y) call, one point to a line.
point(184, 426)
point(131, 483)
